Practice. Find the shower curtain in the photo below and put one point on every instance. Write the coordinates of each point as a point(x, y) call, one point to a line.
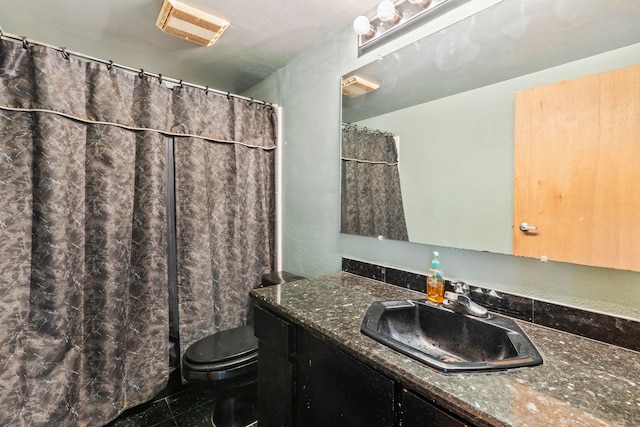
point(83, 223)
point(371, 197)
point(83, 230)
point(225, 204)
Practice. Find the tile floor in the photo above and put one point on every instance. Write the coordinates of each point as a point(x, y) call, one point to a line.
point(185, 407)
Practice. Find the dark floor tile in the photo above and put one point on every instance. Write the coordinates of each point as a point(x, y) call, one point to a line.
point(174, 385)
point(168, 423)
point(198, 417)
point(153, 414)
point(204, 415)
point(189, 399)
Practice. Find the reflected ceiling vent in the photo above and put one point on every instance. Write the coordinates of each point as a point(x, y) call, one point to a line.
point(190, 23)
point(355, 86)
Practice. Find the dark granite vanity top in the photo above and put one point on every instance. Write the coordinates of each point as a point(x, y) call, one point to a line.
point(582, 382)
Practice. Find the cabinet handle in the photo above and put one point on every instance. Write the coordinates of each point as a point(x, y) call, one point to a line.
point(526, 227)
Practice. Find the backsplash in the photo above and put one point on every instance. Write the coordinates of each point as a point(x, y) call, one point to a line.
point(598, 326)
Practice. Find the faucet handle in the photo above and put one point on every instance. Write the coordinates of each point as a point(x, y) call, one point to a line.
point(461, 288)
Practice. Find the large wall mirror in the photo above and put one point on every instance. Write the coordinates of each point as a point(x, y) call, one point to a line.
point(447, 103)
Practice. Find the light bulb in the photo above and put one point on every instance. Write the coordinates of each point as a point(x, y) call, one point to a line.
point(362, 26)
point(386, 11)
point(420, 2)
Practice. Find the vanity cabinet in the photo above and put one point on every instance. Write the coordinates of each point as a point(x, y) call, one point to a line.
point(417, 412)
point(306, 381)
point(335, 389)
point(275, 369)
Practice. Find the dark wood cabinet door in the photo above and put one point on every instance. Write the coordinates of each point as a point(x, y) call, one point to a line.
point(276, 374)
point(417, 412)
point(334, 389)
point(275, 389)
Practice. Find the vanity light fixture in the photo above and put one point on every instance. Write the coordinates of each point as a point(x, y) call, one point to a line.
point(355, 86)
point(362, 26)
point(190, 23)
point(391, 17)
point(387, 11)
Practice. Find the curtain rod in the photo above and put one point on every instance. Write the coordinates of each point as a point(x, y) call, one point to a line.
point(179, 82)
point(366, 129)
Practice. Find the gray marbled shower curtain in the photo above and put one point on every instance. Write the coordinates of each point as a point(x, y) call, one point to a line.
point(84, 311)
point(83, 268)
point(225, 211)
point(371, 203)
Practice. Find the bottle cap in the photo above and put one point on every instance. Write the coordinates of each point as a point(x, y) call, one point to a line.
point(435, 263)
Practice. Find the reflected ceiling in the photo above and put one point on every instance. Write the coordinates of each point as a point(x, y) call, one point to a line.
point(511, 39)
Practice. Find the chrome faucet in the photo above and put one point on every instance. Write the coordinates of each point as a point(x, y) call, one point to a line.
point(461, 288)
point(460, 301)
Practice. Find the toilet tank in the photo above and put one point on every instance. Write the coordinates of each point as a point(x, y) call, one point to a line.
point(278, 277)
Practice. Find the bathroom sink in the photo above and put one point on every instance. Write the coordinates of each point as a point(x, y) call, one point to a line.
point(448, 341)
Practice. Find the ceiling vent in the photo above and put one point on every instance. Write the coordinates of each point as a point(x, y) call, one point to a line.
point(355, 86)
point(189, 23)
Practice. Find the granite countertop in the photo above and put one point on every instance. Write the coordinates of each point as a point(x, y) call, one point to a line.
point(581, 382)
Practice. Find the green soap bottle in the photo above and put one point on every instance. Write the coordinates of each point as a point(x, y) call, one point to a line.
point(435, 281)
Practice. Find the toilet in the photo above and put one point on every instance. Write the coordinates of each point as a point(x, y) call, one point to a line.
point(226, 363)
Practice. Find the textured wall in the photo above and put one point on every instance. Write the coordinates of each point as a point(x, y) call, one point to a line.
point(308, 91)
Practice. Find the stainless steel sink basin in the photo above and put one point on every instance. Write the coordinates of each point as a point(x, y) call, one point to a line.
point(448, 341)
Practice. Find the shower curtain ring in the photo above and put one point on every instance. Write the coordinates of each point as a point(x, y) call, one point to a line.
point(228, 96)
point(65, 54)
point(110, 65)
point(141, 73)
point(160, 78)
point(25, 45)
point(206, 90)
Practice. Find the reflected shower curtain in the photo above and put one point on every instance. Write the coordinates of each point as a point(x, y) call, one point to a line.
point(225, 209)
point(83, 264)
point(371, 197)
